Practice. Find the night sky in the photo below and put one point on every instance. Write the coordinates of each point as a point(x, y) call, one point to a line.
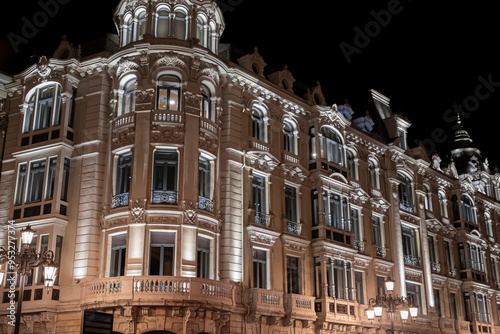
point(428, 58)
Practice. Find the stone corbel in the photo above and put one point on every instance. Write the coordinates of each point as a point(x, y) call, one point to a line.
point(130, 317)
point(220, 319)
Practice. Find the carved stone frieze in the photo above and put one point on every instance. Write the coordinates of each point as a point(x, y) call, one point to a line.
point(138, 210)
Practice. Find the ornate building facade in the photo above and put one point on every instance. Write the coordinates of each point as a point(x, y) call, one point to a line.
point(185, 190)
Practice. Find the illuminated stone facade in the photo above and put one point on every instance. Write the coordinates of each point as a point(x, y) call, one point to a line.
point(185, 190)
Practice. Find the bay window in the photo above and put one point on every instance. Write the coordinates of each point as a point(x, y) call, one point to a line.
point(43, 108)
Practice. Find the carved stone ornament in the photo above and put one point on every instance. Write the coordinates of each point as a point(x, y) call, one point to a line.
point(138, 210)
point(413, 275)
point(189, 211)
point(168, 134)
point(262, 237)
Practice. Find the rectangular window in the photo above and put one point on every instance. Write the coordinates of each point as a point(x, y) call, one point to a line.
point(291, 203)
point(44, 246)
point(315, 207)
point(57, 256)
point(51, 177)
point(203, 260)
point(356, 229)
point(259, 269)
point(21, 183)
point(410, 250)
point(35, 181)
point(453, 306)
point(293, 275)
point(44, 107)
point(380, 285)
point(329, 278)
point(358, 281)
point(162, 252)
point(437, 301)
point(377, 236)
point(65, 180)
point(123, 173)
point(343, 279)
point(259, 193)
point(118, 255)
point(432, 250)
point(204, 178)
point(165, 176)
point(414, 290)
point(28, 280)
point(336, 211)
point(168, 98)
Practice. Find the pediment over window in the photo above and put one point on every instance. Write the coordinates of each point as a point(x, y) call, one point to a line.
point(315, 96)
point(295, 244)
point(262, 161)
point(358, 195)
point(253, 62)
point(380, 204)
point(262, 237)
point(382, 267)
point(331, 116)
point(283, 79)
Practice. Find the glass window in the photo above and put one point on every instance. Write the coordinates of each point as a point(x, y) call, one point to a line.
point(35, 181)
point(357, 230)
point(163, 24)
point(380, 285)
point(358, 280)
point(351, 165)
point(44, 105)
point(343, 280)
point(489, 224)
point(21, 183)
point(128, 103)
point(377, 236)
point(203, 259)
point(333, 147)
point(410, 250)
point(162, 252)
point(51, 177)
point(57, 256)
point(118, 255)
point(315, 207)
point(259, 269)
point(123, 173)
point(180, 25)
point(289, 137)
point(437, 300)
point(206, 104)
point(453, 306)
point(312, 143)
point(336, 211)
point(127, 30)
point(258, 125)
point(204, 167)
point(442, 205)
point(28, 279)
point(468, 210)
point(405, 193)
point(168, 93)
point(259, 194)
point(291, 203)
point(293, 275)
point(200, 31)
point(414, 290)
point(65, 180)
point(372, 168)
point(141, 25)
point(44, 246)
point(165, 176)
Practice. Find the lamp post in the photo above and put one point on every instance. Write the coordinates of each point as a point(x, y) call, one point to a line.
point(23, 262)
point(391, 303)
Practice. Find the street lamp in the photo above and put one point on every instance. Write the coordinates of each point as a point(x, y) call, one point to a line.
point(23, 262)
point(391, 303)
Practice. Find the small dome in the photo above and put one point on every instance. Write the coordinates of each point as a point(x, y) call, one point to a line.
point(170, 20)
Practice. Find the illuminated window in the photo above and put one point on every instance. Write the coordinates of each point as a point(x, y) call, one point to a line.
point(206, 103)
point(162, 252)
point(489, 224)
point(43, 106)
point(442, 204)
point(200, 31)
point(333, 147)
point(289, 138)
point(168, 93)
point(312, 143)
point(378, 236)
point(258, 125)
point(118, 255)
point(259, 269)
point(127, 30)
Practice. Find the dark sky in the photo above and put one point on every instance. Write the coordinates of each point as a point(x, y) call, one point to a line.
point(427, 57)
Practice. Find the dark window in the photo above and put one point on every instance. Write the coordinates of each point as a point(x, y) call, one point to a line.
point(165, 177)
point(259, 269)
point(203, 260)
point(162, 252)
point(293, 275)
point(118, 255)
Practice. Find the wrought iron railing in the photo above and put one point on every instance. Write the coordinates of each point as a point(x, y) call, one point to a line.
point(294, 227)
point(164, 197)
point(436, 267)
point(412, 260)
point(119, 201)
point(381, 251)
point(205, 204)
point(262, 219)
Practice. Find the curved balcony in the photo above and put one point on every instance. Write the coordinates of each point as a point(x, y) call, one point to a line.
point(157, 290)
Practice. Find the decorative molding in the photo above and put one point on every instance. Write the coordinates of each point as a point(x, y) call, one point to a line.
point(138, 210)
point(190, 213)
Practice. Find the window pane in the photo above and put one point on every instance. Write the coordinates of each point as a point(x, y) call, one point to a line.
point(51, 179)
point(36, 179)
point(21, 182)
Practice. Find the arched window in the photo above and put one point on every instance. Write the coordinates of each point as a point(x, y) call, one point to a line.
point(44, 108)
point(333, 146)
point(200, 31)
point(469, 213)
point(489, 224)
point(163, 23)
point(141, 25)
point(180, 25)
point(442, 204)
point(312, 143)
point(427, 198)
point(258, 125)
point(289, 138)
point(169, 93)
point(405, 192)
point(351, 165)
point(206, 103)
point(127, 101)
point(373, 170)
point(127, 30)
point(210, 37)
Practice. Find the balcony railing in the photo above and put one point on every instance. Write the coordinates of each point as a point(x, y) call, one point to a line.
point(359, 245)
point(405, 205)
point(436, 267)
point(205, 204)
point(412, 260)
point(300, 307)
point(381, 251)
point(164, 197)
point(119, 201)
point(144, 289)
point(266, 302)
point(294, 227)
point(262, 219)
point(452, 271)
